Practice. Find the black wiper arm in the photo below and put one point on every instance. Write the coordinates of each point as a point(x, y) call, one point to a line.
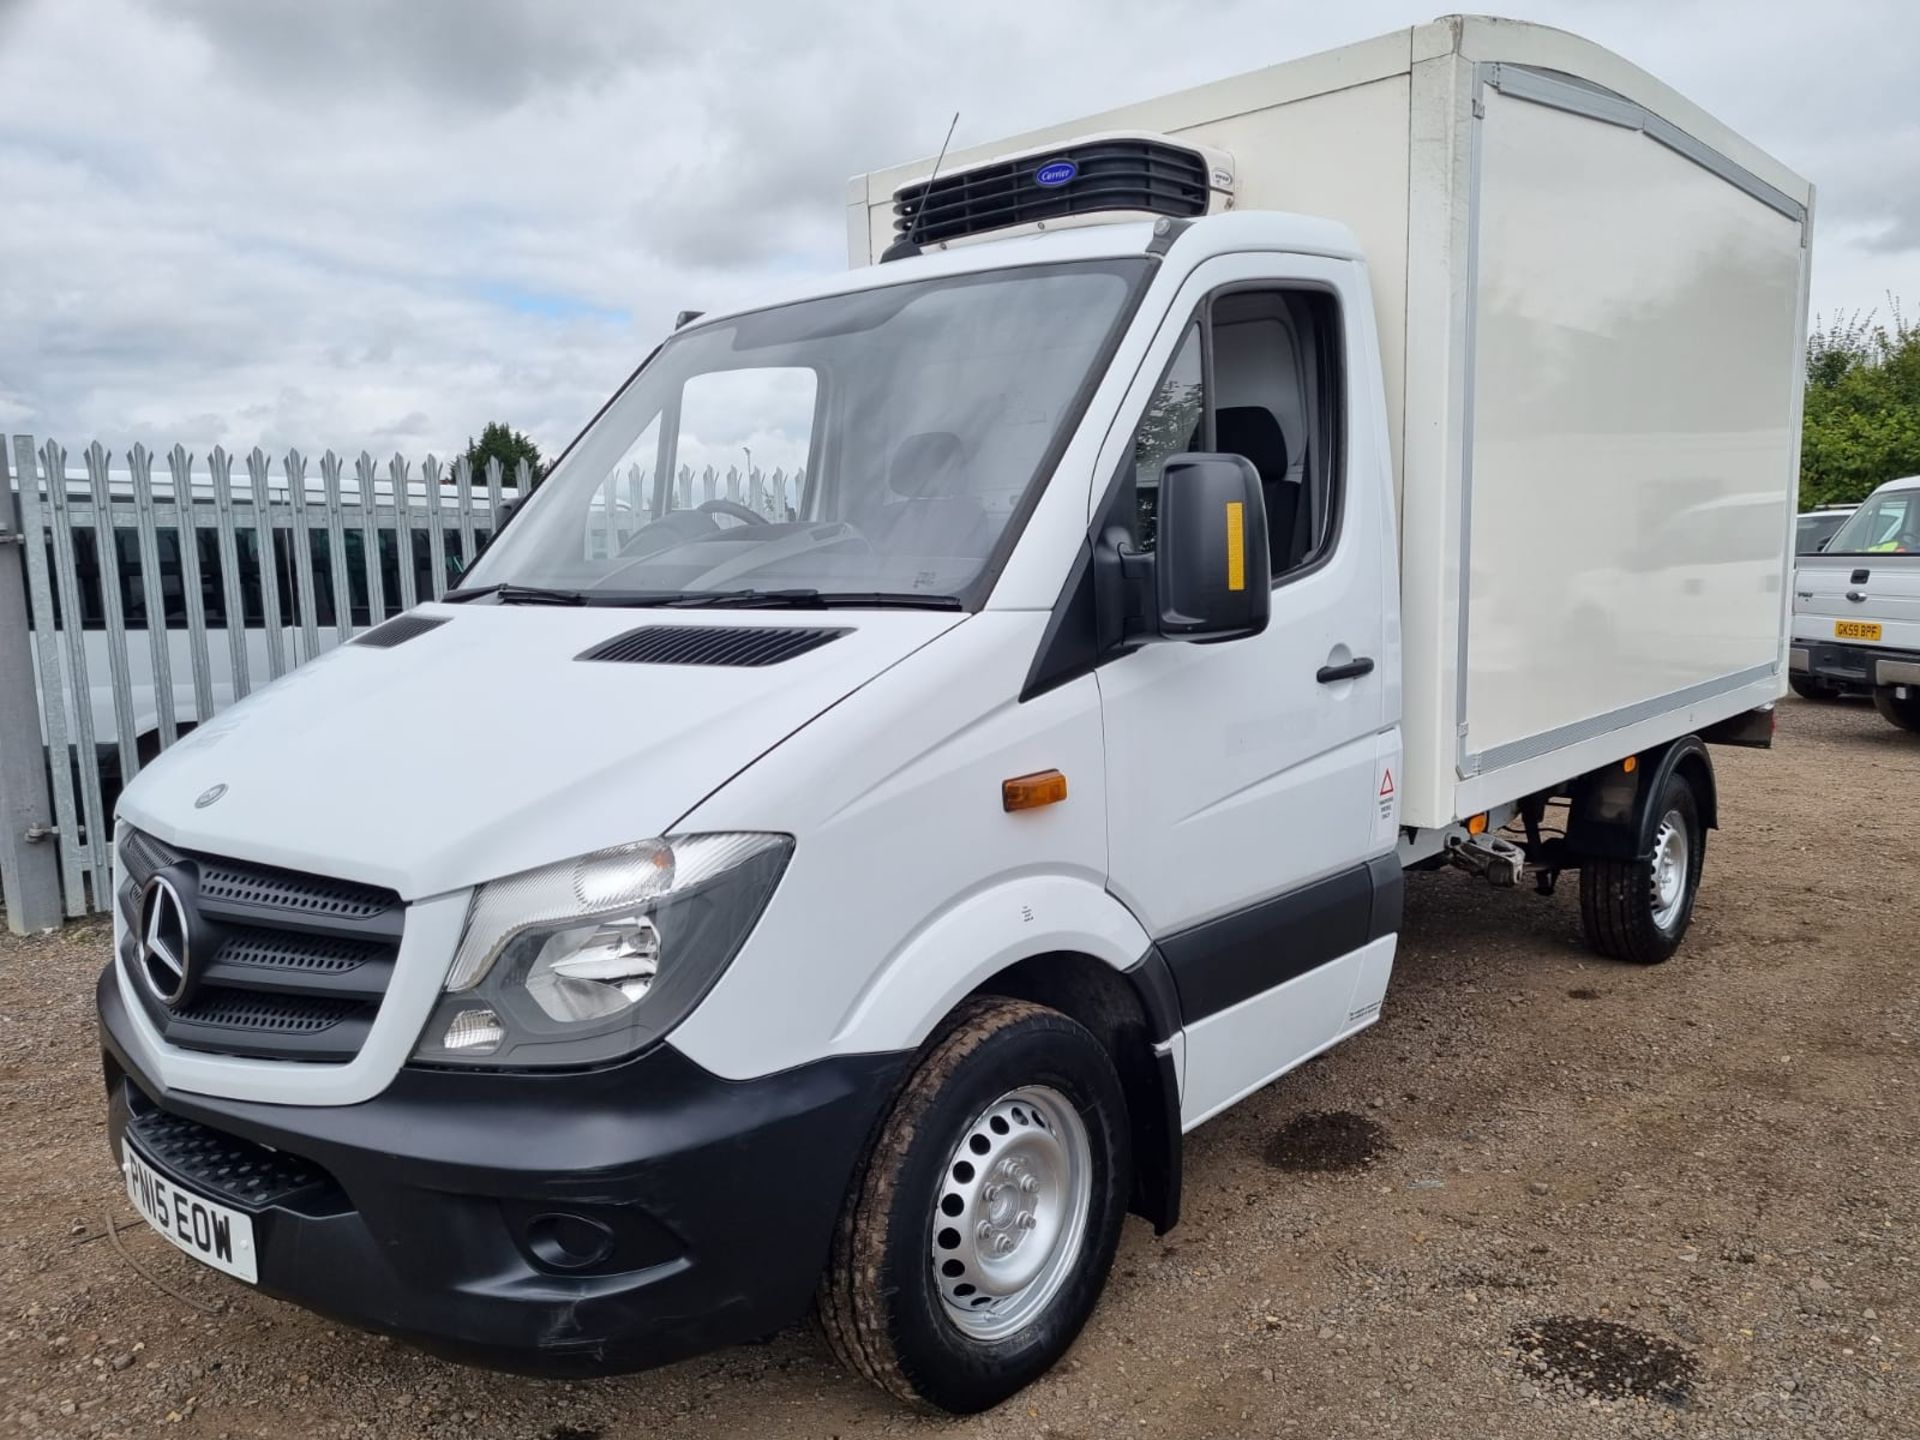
point(744, 600)
point(811, 600)
point(518, 595)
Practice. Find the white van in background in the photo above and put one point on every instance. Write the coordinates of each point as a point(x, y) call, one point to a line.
point(1856, 606)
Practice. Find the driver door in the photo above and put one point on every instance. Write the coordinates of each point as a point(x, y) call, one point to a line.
point(1249, 782)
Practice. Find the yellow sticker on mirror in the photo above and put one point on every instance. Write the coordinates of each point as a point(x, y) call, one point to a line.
point(1236, 545)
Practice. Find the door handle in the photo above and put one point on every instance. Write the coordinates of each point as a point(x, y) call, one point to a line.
point(1352, 670)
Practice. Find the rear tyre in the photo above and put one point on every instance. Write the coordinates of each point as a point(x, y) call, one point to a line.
point(978, 1237)
point(1639, 910)
point(1808, 688)
point(1897, 711)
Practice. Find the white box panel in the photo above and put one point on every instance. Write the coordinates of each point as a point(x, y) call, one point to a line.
point(1631, 454)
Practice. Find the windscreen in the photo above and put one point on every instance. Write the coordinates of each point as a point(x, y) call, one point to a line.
point(879, 442)
point(1887, 524)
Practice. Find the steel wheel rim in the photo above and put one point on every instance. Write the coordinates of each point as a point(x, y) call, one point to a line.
point(1011, 1213)
point(1672, 858)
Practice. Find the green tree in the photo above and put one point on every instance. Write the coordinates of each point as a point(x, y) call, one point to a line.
point(509, 447)
point(1862, 417)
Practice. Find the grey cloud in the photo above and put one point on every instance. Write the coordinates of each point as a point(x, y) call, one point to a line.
point(324, 224)
point(479, 53)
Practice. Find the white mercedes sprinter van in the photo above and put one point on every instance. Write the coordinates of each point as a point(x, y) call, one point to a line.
point(852, 912)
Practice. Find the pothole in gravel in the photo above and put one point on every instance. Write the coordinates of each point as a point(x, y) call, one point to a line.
point(1327, 1140)
point(1582, 992)
point(1600, 1358)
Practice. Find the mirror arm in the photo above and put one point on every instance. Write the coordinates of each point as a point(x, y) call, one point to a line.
point(1125, 609)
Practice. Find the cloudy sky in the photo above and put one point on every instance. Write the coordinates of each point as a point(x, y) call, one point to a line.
point(381, 223)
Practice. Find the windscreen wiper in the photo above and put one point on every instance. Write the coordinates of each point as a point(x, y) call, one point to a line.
point(518, 595)
point(811, 600)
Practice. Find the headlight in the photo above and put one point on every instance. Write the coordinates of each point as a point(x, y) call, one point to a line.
point(588, 960)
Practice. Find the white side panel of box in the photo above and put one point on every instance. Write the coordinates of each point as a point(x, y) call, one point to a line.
point(1631, 456)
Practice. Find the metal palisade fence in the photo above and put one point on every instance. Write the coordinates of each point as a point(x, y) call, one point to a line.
point(153, 591)
point(157, 592)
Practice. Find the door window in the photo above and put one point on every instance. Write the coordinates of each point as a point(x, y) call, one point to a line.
point(1258, 374)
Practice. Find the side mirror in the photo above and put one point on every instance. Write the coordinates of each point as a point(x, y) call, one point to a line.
point(1212, 575)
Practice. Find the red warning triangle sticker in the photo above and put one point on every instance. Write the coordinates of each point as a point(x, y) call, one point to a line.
point(1386, 783)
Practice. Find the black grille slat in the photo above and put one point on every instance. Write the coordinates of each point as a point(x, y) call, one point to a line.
point(748, 646)
point(226, 1166)
point(141, 855)
point(399, 630)
point(299, 963)
point(325, 954)
point(287, 890)
point(255, 1010)
point(1146, 175)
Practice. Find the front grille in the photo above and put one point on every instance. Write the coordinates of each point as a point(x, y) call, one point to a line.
point(1147, 175)
point(282, 965)
point(225, 1166)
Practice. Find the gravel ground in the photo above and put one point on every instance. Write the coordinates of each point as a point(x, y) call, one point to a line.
point(1569, 1198)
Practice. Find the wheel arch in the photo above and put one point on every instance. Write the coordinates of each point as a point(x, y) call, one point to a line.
point(1612, 816)
point(1134, 1014)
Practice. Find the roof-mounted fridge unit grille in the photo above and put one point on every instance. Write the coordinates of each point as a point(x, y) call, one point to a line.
point(1102, 176)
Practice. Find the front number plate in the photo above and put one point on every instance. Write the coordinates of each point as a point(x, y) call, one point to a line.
point(1856, 630)
point(222, 1237)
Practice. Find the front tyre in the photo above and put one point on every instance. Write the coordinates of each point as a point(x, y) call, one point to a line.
point(1896, 709)
point(978, 1238)
point(1639, 910)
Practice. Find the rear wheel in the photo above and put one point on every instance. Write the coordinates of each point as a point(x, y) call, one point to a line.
point(1639, 910)
point(1808, 688)
point(1896, 709)
point(976, 1242)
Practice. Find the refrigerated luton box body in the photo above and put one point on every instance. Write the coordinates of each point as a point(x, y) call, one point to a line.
point(1590, 299)
point(854, 893)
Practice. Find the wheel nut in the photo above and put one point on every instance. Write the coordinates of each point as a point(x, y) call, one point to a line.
point(1002, 1244)
point(983, 1232)
point(990, 1194)
point(1026, 1221)
point(1028, 1184)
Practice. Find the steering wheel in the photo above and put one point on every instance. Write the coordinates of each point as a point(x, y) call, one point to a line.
point(735, 509)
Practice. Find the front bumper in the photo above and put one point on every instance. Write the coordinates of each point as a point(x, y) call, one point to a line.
point(1854, 667)
point(582, 1223)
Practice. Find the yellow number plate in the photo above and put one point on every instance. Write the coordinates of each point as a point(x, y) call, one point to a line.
point(1856, 630)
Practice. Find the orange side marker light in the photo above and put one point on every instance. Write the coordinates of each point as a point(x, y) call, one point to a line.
point(1030, 792)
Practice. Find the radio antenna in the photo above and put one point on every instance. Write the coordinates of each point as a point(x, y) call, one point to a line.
point(908, 243)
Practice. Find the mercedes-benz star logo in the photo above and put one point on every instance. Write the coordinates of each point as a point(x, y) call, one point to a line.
point(163, 941)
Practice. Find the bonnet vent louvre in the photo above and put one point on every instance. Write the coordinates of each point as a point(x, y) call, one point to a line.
point(738, 645)
point(399, 630)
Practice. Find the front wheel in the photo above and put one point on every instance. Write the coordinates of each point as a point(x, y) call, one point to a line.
point(1897, 709)
point(1638, 910)
point(977, 1240)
